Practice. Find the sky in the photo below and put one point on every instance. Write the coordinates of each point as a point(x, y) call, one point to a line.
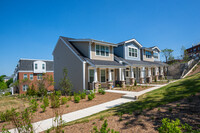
point(31, 28)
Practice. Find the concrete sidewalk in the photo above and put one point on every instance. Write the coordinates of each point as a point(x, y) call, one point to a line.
point(48, 123)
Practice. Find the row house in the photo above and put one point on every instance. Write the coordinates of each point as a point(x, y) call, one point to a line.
point(91, 63)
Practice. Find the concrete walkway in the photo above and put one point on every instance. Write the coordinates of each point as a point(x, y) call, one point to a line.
point(48, 123)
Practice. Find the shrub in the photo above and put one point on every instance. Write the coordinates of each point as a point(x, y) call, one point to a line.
point(102, 91)
point(34, 105)
point(55, 100)
point(7, 94)
point(104, 128)
point(45, 104)
point(170, 126)
point(83, 95)
point(64, 100)
point(155, 79)
point(135, 83)
point(76, 99)
point(92, 94)
point(31, 91)
point(101, 117)
point(6, 116)
point(90, 97)
point(117, 85)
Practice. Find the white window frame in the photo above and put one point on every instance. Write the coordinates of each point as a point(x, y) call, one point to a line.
point(39, 77)
point(30, 76)
point(105, 75)
point(26, 76)
point(155, 53)
point(100, 50)
point(134, 48)
point(89, 75)
point(25, 87)
point(148, 55)
point(36, 66)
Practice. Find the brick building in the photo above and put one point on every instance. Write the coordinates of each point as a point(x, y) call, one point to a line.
point(30, 71)
point(194, 50)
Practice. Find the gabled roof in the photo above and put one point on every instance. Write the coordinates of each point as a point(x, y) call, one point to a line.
point(155, 47)
point(27, 64)
point(130, 40)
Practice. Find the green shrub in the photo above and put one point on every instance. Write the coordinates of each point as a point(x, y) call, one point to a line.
point(6, 116)
point(101, 91)
point(45, 104)
point(64, 100)
point(101, 117)
point(170, 126)
point(90, 97)
point(155, 79)
point(31, 91)
point(83, 95)
point(117, 85)
point(76, 99)
point(55, 100)
point(92, 93)
point(34, 105)
point(135, 83)
point(7, 94)
point(104, 128)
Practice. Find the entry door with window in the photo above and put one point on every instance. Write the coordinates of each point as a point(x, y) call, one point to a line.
point(127, 76)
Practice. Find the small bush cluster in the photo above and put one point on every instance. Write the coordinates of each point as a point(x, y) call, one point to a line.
point(45, 104)
point(7, 94)
point(77, 99)
point(34, 105)
point(6, 116)
point(91, 95)
point(102, 91)
point(104, 128)
point(64, 100)
point(55, 99)
point(83, 95)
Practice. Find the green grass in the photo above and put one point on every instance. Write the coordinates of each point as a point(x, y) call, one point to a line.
point(170, 93)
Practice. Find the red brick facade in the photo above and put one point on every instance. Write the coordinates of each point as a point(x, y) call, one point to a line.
point(33, 81)
point(194, 49)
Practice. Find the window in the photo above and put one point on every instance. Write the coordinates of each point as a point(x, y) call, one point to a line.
point(31, 76)
point(148, 54)
point(194, 49)
point(91, 74)
point(102, 50)
point(155, 55)
point(43, 66)
point(103, 76)
point(25, 87)
point(36, 66)
point(25, 76)
point(132, 52)
point(39, 76)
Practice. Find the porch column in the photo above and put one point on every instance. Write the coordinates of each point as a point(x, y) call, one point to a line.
point(95, 83)
point(161, 73)
point(121, 77)
point(156, 73)
point(132, 79)
point(110, 82)
point(142, 74)
point(149, 78)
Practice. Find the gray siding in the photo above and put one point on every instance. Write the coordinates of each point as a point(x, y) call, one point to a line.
point(64, 58)
point(119, 51)
point(83, 47)
point(155, 50)
point(127, 52)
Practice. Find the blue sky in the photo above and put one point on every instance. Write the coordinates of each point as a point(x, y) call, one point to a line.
point(30, 29)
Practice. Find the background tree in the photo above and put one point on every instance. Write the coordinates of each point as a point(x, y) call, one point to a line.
point(2, 78)
point(65, 83)
point(167, 53)
point(9, 82)
point(3, 86)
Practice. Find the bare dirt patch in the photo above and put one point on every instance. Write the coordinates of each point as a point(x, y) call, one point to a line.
point(187, 110)
point(134, 88)
point(84, 103)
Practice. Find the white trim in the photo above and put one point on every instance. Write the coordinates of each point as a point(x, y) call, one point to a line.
point(100, 50)
point(157, 48)
point(100, 75)
point(34, 59)
point(84, 75)
point(71, 49)
point(30, 71)
point(89, 73)
point(132, 40)
point(104, 66)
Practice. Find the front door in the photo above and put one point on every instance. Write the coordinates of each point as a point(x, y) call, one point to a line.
point(113, 76)
point(127, 76)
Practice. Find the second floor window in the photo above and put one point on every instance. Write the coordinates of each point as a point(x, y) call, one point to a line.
point(43, 66)
point(25, 76)
point(132, 52)
point(148, 54)
point(155, 55)
point(39, 76)
point(102, 50)
point(36, 66)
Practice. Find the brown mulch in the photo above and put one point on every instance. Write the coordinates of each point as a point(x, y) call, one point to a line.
point(134, 88)
point(186, 110)
point(84, 103)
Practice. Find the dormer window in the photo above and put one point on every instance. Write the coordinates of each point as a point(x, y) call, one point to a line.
point(148, 54)
point(43, 66)
point(36, 67)
point(132, 52)
point(102, 50)
point(155, 55)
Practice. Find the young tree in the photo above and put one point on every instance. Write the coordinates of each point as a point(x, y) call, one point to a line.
point(65, 83)
point(9, 82)
point(167, 53)
point(3, 86)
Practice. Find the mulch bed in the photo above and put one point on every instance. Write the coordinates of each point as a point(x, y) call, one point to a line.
point(84, 103)
point(186, 110)
point(134, 88)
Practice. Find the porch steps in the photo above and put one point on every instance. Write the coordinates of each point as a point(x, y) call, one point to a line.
point(133, 97)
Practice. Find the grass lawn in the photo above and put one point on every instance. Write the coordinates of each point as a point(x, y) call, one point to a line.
point(8, 102)
point(133, 88)
point(170, 93)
